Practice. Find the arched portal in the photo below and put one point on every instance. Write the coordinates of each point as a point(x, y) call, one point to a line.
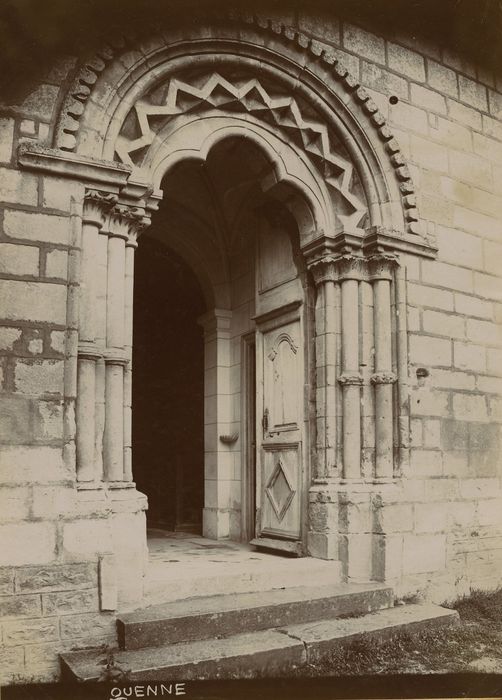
point(320, 171)
point(230, 218)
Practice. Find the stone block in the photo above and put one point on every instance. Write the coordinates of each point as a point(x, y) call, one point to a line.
point(473, 93)
point(465, 115)
point(8, 336)
point(494, 361)
point(430, 351)
point(14, 503)
point(445, 275)
point(421, 295)
point(35, 377)
point(487, 286)
point(462, 514)
point(69, 602)
point(454, 435)
point(40, 103)
point(431, 517)
point(33, 226)
point(15, 428)
point(17, 632)
point(18, 187)
point(60, 193)
point(321, 25)
point(53, 501)
point(58, 577)
point(6, 581)
point(441, 78)
point(429, 154)
point(414, 118)
point(439, 323)
point(380, 79)
point(56, 264)
point(487, 147)
point(456, 464)
point(11, 664)
point(484, 331)
point(470, 357)
point(495, 101)
point(20, 463)
point(407, 62)
point(427, 402)
point(472, 306)
point(32, 301)
point(426, 462)
point(428, 99)
point(424, 553)
point(58, 341)
point(459, 248)
point(27, 543)
point(20, 606)
point(470, 407)
point(393, 518)
point(492, 127)
point(477, 223)
point(88, 626)
point(495, 404)
point(416, 432)
point(445, 489)
point(363, 43)
point(108, 590)
point(387, 557)
point(48, 420)
point(83, 538)
point(479, 488)
point(492, 257)
point(6, 139)
point(449, 379)
point(432, 432)
point(489, 385)
point(490, 513)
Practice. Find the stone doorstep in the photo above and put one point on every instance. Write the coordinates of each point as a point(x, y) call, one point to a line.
point(266, 653)
point(225, 615)
point(204, 578)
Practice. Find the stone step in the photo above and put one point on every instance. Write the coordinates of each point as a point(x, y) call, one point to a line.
point(168, 583)
point(225, 615)
point(265, 653)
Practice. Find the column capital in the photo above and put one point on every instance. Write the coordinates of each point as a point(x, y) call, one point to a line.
point(97, 204)
point(350, 379)
point(127, 221)
point(383, 378)
point(382, 265)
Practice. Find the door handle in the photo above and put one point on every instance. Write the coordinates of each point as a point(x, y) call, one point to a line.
point(264, 421)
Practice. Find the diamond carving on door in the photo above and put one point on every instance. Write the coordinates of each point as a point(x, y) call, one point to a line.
point(279, 490)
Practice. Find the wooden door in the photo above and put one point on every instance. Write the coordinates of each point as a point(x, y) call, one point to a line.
point(280, 385)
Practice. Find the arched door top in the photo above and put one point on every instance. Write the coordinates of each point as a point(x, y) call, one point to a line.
point(261, 71)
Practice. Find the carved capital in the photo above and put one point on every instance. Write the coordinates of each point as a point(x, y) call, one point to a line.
point(382, 265)
point(96, 206)
point(126, 221)
point(323, 270)
point(351, 267)
point(350, 379)
point(383, 378)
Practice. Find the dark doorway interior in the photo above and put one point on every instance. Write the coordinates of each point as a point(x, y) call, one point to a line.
point(168, 388)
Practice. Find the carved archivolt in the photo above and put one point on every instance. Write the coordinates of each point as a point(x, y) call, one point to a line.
point(314, 137)
point(249, 96)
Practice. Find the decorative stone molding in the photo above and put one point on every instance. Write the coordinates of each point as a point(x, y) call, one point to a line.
point(383, 378)
point(96, 205)
point(82, 88)
point(347, 379)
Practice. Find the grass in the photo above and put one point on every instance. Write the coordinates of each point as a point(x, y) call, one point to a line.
point(475, 644)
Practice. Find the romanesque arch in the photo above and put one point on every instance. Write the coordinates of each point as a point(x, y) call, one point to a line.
point(134, 111)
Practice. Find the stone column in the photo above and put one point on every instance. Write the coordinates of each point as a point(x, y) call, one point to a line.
point(350, 272)
point(131, 246)
point(324, 274)
point(218, 458)
point(95, 205)
point(122, 225)
point(381, 267)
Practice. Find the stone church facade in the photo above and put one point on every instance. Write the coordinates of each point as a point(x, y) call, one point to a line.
point(336, 194)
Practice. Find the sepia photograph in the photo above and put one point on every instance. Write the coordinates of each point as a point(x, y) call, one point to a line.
point(250, 349)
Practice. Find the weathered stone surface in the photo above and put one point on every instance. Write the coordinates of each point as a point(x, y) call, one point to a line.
point(32, 301)
point(404, 61)
point(19, 463)
point(6, 139)
point(66, 602)
point(17, 187)
point(11, 664)
point(27, 543)
point(30, 631)
point(19, 260)
point(89, 626)
point(14, 503)
point(424, 553)
point(56, 578)
point(35, 377)
point(34, 226)
point(363, 43)
point(56, 264)
point(20, 606)
point(442, 78)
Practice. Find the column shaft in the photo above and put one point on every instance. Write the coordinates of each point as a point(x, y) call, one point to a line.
point(85, 419)
point(113, 449)
point(350, 380)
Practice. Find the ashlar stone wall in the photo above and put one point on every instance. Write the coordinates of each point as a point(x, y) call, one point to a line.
point(443, 523)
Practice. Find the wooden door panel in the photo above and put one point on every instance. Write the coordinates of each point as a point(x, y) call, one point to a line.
point(282, 377)
point(281, 503)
